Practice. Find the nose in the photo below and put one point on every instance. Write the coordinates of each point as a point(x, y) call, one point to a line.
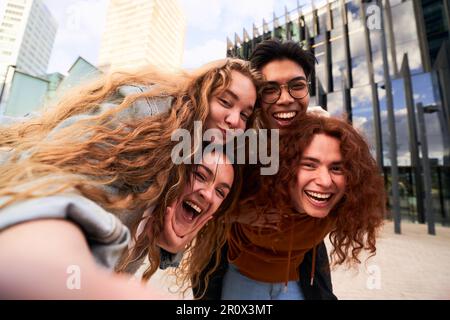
point(207, 193)
point(285, 97)
point(232, 119)
point(324, 178)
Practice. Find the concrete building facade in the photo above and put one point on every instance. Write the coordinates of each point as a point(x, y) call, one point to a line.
point(143, 32)
point(27, 34)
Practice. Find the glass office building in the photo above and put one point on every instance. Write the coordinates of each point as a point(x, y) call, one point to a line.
point(353, 41)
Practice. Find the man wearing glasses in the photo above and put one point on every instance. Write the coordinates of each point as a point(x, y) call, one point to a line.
point(287, 69)
point(284, 96)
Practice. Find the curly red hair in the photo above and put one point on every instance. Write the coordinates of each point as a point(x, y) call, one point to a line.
point(361, 211)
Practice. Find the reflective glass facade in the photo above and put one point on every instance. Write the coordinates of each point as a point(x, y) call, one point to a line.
point(349, 78)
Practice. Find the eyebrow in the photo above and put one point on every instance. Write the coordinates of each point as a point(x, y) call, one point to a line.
point(318, 161)
point(210, 173)
point(298, 78)
point(293, 79)
point(225, 185)
point(232, 94)
point(208, 170)
point(236, 97)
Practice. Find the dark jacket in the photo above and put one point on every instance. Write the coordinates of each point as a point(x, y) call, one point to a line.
point(322, 288)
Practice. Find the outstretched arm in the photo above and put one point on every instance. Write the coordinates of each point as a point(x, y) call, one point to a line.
point(50, 259)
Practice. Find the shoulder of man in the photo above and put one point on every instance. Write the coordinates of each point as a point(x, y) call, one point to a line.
point(317, 111)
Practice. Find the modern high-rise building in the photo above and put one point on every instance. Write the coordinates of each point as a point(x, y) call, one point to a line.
point(368, 52)
point(27, 34)
point(142, 32)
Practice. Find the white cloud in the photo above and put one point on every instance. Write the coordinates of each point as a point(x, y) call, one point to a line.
point(209, 24)
point(226, 16)
point(240, 14)
point(403, 112)
point(250, 7)
point(211, 50)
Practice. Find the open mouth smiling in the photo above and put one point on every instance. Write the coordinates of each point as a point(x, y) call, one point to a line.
point(319, 198)
point(284, 118)
point(191, 210)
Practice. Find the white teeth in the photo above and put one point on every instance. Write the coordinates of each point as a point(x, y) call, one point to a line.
point(324, 196)
point(285, 115)
point(194, 206)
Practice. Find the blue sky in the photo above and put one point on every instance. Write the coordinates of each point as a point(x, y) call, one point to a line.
point(209, 22)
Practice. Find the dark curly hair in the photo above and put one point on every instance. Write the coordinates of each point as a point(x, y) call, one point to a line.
point(273, 49)
point(361, 211)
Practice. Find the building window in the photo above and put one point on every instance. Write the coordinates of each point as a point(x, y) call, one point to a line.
point(406, 38)
point(310, 25)
point(338, 58)
point(362, 113)
point(294, 30)
point(15, 6)
point(336, 16)
point(335, 104)
point(353, 14)
point(322, 65)
point(246, 49)
point(280, 33)
point(322, 16)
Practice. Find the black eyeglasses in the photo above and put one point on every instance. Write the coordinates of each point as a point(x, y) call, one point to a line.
point(298, 88)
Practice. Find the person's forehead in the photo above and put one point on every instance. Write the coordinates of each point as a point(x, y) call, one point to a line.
point(212, 159)
point(282, 70)
point(323, 145)
point(242, 88)
point(217, 164)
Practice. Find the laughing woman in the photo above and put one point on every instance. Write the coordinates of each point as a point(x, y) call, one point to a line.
point(91, 183)
point(328, 183)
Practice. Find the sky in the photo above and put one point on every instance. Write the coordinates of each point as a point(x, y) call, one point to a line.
point(209, 22)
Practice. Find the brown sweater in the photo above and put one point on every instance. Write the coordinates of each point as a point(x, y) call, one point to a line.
point(274, 255)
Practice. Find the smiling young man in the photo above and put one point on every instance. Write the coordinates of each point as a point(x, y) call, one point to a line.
point(285, 95)
point(328, 184)
point(320, 181)
point(284, 98)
